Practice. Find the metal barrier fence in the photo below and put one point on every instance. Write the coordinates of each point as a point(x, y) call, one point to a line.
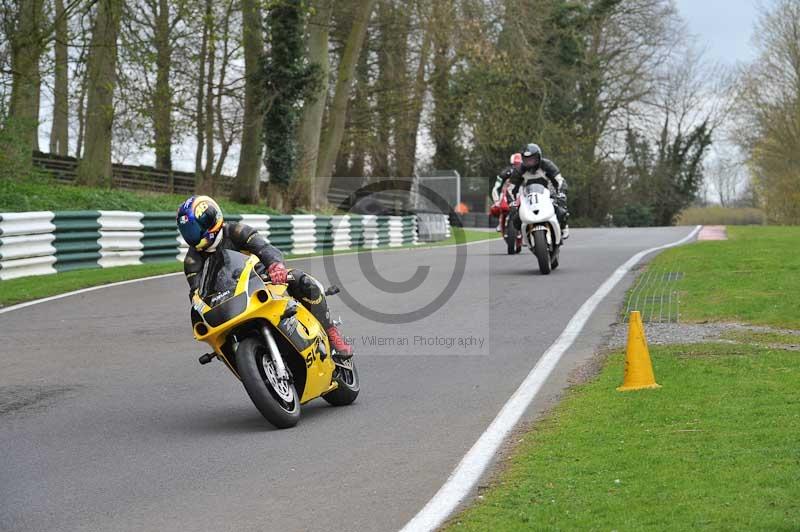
point(38, 243)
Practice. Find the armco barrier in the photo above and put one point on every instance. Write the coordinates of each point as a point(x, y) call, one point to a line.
point(26, 244)
point(38, 243)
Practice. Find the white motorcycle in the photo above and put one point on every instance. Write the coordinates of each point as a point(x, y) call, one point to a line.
point(539, 225)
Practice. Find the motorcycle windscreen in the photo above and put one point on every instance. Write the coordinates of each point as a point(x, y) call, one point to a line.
point(220, 276)
point(535, 188)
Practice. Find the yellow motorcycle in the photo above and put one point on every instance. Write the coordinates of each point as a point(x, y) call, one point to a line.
point(269, 340)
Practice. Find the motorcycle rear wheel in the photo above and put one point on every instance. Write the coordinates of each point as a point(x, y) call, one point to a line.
point(542, 252)
point(511, 235)
point(279, 407)
point(348, 389)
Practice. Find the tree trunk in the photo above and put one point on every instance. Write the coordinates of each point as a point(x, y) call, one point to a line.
point(59, 132)
point(81, 110)
point(358, 137)
point(248, 173)
point(406, 129)
point(276, 196)
point(385, 96)
point(342, 167)
point(200, 104)
point(27, 45)
point(224, 141)
point(332, 137)
point(95, 167)
point(162, 97)
point(208, 185)
point(311, 119)
point(445, 125)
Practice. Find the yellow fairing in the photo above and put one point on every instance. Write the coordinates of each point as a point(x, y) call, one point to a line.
point(269, 302)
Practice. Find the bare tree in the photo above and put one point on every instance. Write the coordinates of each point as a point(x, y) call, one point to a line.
point(725, 175)
point(59, 132)
point(628, 45)
point(407, 127)
point(666, 148)
point(249, 170)
point(770, 111)
point(333, 133)
point(95, 167)
point(311, 120)
point(25, 28)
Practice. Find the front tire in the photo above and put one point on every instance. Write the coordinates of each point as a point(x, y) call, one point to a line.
point(277, 402)
point(348, 389)
point(541, 251)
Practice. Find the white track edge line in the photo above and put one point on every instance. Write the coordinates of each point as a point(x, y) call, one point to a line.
point(471, 467)
point(20, 306)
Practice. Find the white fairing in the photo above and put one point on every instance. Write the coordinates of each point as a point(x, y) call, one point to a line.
point(537, 213)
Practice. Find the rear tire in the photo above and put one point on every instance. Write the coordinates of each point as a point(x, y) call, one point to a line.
point(348, 389)
point(250, 357)
point(511, 236)
point(541, 251)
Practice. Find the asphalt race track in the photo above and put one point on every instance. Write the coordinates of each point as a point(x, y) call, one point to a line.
point(107, 421)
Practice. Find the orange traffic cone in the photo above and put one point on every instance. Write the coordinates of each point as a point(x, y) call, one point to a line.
point(638, 368)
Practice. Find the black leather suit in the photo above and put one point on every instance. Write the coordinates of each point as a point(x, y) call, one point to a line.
point(243, 238)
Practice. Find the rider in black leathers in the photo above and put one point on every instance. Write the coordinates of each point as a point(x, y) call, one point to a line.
point(535, 168)
point(220, 235)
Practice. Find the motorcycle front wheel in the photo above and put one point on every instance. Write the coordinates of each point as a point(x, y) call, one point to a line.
point(276, 399)
point(541, 251)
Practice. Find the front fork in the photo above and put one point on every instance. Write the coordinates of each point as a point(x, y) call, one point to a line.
point(548, 236)
point(275, 354)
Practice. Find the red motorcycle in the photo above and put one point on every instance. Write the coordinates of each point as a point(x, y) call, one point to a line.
point(505, 209)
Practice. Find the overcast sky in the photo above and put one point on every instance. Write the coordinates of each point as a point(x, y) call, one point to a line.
point(723, 26)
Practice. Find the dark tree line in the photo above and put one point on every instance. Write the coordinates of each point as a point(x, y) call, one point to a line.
point(306, 91)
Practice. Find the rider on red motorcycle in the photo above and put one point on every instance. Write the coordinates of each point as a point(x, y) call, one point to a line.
point(500, 206)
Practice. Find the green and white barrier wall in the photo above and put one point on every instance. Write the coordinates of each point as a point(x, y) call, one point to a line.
point(38, 243)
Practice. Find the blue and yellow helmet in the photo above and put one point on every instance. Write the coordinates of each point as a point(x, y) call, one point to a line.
point(199, 221)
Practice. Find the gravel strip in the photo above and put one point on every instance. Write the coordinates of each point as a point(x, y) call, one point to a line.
point(692, 333)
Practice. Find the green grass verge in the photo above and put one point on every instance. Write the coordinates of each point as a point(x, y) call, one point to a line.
point(714, 449)
point(15, 291)
point(46, 195)
point(468, 235)
point(763, 338)
point(752, 277)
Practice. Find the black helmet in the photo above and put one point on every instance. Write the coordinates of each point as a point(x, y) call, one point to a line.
point(531, 157)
